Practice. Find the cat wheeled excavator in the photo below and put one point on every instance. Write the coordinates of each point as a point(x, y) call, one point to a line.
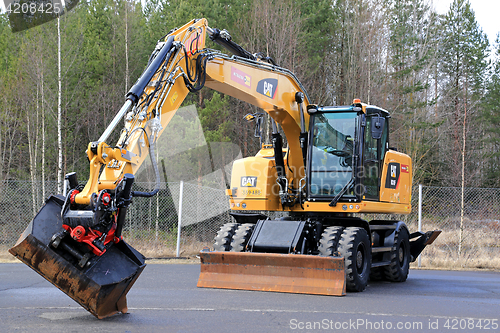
point(337, 163)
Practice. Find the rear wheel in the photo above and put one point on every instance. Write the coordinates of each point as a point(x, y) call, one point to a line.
point(329, 241)
point(241, 237)
point(222, 242)
point(354, 245)
point(399, 267)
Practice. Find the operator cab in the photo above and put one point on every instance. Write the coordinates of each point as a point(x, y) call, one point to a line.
point(347, 145)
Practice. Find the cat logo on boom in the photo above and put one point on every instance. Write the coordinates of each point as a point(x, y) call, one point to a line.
point(268, 87)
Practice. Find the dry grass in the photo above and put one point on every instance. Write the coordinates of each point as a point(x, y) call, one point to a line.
point(480, 248)
point(160, 250)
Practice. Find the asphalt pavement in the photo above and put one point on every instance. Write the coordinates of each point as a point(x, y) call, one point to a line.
point(165, 299)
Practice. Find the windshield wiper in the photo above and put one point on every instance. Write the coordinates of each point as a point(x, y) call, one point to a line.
point(341, 193)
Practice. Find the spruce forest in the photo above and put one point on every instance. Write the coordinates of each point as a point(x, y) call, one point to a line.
point(438, 75)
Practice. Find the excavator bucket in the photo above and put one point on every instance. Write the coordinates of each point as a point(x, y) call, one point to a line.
point(287, 273)
point(101, 286)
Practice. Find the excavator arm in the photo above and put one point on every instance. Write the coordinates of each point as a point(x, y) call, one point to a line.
point(181, 64)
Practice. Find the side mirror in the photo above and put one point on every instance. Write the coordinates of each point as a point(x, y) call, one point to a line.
point(378, 124)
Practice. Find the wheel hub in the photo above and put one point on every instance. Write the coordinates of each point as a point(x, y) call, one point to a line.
point(359, 259)
point(401, 255)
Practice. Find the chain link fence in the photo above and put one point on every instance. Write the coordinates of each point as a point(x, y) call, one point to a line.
point(470, 224)
point(469, 239)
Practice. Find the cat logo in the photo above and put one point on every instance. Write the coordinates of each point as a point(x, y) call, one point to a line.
point(248, 181)
point(393, 171)
point(392, 178)
point(268, 87)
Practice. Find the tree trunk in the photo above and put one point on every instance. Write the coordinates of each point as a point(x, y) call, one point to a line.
point(59, 112)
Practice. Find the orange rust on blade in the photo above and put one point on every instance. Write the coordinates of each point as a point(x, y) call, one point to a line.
point(290, 273)
point(433, 237)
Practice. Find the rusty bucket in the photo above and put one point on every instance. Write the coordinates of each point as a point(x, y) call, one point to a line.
point(101, 286)
point(288, 273)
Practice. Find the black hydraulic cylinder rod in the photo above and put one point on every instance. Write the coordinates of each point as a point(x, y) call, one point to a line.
point(124, 198)
point(71, 250)
point(217, 37)
point(138, 88)
point(303, 144)
point(72, 180)
point(278, 154)
point(299, 98)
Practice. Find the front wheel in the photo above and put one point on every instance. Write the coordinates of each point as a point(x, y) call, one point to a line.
point(241, 237)
point(329, 241)
point(354, 245)
point(398, 269)
point(224, 237)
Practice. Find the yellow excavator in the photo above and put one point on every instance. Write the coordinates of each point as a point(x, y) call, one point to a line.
point(337, 163)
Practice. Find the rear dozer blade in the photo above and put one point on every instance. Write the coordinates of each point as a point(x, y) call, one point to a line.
point(101, 286)
point(287, 273)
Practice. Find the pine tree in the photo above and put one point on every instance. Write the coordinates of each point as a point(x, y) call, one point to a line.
point(412, 58)
point(491, 119)
point(463, 60)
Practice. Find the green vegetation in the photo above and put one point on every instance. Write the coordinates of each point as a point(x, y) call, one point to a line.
point(434, 73)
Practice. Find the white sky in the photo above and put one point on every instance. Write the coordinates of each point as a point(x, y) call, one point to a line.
point(486, 14)
point(486, 11)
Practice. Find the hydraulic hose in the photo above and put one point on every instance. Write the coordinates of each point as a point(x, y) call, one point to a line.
point(152, 150)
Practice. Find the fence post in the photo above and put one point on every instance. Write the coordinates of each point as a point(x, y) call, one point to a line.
point(179, 218)
point(157, 223)
point(65, 187)
point(419, 218)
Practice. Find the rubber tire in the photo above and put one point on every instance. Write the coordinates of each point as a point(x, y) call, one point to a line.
point(377, 273)
point(222, 242)
point(241, 237)
point(354, 246)
point(329, 241)
point(398, 269)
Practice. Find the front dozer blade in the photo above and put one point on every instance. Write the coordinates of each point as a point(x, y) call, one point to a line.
point(101, 287)
point(287, 273)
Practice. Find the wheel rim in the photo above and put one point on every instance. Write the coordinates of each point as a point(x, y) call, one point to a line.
point(401, 255)
point(360, 259)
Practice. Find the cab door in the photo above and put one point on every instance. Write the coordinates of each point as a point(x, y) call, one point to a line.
point(374, 148)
